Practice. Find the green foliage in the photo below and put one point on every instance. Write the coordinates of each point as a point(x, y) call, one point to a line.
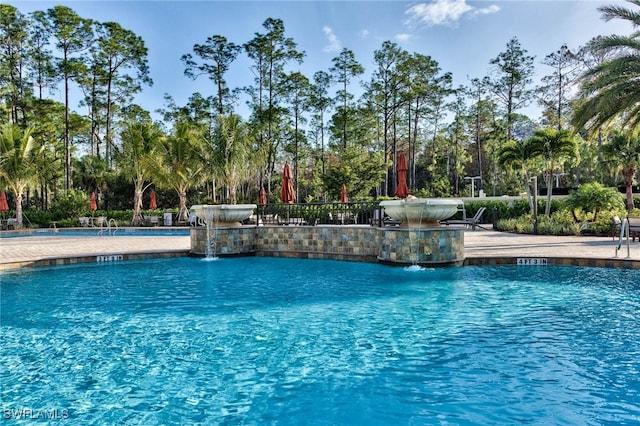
point(358, 169)
point(591, 198)
point(440, 186)
point(560, 222)
point(70, 204)
point(39, 218)
point(510, 209)
point(609, 90)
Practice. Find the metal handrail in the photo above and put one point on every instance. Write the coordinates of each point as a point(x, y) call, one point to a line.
point(624, 226)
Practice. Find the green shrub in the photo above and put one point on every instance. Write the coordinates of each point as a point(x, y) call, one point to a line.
point(70, 204)
point(592, 198)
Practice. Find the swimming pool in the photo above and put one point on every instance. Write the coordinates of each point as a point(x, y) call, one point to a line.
point(288, 341)
point(92, 232)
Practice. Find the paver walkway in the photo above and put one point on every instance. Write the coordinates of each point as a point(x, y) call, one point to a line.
point(479, 244)
point(482, 243)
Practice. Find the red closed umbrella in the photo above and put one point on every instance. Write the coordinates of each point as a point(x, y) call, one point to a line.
point(152, 201)
point(4, 206)
point(402, 191)
point(287, 193)
point(93, 205)
point(343, 194)
point(263, 197)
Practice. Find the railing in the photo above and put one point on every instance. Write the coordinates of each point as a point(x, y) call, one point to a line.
point(110, 226)
point(365, 212)
point(629, 227)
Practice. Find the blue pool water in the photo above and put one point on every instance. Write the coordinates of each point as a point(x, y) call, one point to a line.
point(285, 341)
point(92, 232)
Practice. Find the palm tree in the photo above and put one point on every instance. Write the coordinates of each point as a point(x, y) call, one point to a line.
point(232, 153)
point(624, 151)
point(593, 198)
point(177, 163)
point(612, 89)
point(17, 162)
point(517, 155)
point(138, 142)
point(553, 145)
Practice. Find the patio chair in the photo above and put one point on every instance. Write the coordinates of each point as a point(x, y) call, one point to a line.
point(615, 229)
point(192, 220)
point(634, 227)
point(99, 222)
point(152, 220)
point(468, 222)
point(345, 219)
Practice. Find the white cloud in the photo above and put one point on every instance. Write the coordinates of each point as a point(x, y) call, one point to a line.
point(403, 37)
point(444, 12)
point(334, 43)
point(364, 33)
point(486, 10)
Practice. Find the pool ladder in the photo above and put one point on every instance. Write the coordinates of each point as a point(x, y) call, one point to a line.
point(111, 228)
point(624, 226)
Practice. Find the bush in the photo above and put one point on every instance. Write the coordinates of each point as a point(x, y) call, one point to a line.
point(559, 223)
point(70, 204)
point(592, 198)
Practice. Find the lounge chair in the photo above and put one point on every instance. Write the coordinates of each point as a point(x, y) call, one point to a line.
point(11, 223)
point(615, 229)
point(467, 222)
point(634, 227)
point(292, 221)
point(99, 222)
point(192, 220)
point(84, 221)
point(345, 218)
point(152, 220)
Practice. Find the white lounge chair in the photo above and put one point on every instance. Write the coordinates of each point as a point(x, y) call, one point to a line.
point(192, 220)
point(468, 222)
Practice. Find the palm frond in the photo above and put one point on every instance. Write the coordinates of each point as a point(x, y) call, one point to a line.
point(618, 12)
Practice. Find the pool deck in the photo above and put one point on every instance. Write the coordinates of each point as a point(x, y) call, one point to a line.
point(482, 247)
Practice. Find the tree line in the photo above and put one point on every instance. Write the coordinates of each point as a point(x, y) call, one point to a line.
point(588, 130)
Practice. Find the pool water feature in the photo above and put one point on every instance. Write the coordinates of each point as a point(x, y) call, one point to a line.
point(288, 341)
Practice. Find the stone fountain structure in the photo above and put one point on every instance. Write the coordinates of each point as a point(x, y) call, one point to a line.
point(222, 233)
point(419, 240)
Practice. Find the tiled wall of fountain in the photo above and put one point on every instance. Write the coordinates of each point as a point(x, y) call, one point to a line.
point(236, 241)
point(436, 246)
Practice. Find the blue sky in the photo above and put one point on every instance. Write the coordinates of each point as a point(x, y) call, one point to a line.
point(462, 35)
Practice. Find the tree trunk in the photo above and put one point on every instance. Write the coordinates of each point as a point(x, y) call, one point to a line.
point(628, 174)
point(182, 213)
point(136, 220)
point(547, 208)
point(19, 208)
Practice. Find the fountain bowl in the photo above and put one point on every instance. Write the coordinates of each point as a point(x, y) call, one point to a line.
point(223, 215)
point(421, 212)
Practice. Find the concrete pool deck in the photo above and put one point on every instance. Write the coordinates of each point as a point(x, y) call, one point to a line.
point(482, 247)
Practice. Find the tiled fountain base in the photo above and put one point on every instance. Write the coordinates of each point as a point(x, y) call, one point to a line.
point(429, 246)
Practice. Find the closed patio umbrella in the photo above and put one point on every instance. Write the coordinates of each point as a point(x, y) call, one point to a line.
point(263, 197)
point(287, 193)
point(4, 206)
point(93, 205)
point(402, 191)
point(152, 201)
point(343, 194)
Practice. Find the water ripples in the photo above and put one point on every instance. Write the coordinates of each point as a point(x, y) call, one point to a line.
point(289, 342)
